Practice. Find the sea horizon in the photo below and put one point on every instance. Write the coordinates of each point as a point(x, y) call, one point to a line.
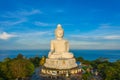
point(87, 54)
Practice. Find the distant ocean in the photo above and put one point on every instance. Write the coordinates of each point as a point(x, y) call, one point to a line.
point(112, 55)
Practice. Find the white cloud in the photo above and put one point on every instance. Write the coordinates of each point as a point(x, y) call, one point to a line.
point(21, 13)
point(112, 37)
point(107, 37)
point(73, 42)
point(6, 36)
point(28, 40)
point(79, 36)
point(104, 37)
point(18, 16)
point(104, 32)
point(30, 12)
point(34, 39)
point(12, 23)
point(34, 34)
point(38, 23)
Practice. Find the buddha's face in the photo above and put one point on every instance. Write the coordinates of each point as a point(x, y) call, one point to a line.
point(59, 33)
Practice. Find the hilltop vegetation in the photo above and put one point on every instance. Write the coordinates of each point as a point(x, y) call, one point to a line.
point(105, 69)
point(23, 68)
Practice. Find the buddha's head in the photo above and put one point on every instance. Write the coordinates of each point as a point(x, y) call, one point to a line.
point(59, 32)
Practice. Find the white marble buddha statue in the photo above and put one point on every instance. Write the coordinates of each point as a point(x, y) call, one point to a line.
point(59, 46)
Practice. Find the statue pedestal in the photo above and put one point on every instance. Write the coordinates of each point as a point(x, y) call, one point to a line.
point(60, 63)
point(60, 67)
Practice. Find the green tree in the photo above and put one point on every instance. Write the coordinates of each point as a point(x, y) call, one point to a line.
point(1, 78)
point(117, 69)
point(5, 70)
point(35, 61)
point(21, 68)
point(20, 56)
point(80, 59)
point(107, 70)
point(110, 73)
point(86, 76)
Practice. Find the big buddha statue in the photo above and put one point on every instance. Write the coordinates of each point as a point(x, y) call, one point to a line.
point(59, 56)
point(59, 47)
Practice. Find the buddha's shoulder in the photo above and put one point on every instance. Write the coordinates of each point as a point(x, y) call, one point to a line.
point(65, 40)
point(58, 40)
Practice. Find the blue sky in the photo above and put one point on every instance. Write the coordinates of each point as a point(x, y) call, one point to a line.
point(88, 24)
